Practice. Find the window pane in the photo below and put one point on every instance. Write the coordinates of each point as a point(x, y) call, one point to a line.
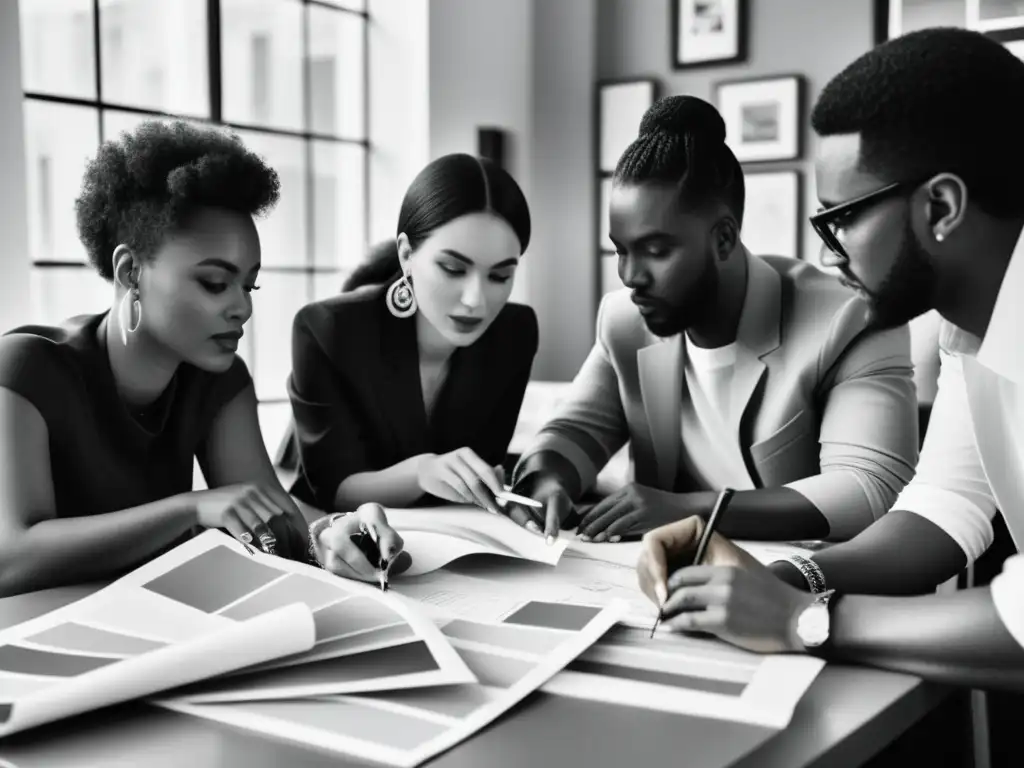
point(57, 51)
point(153, 55)
point(604, 217)
point(59, 141)
point(920, 14)
point(352, 5)
point(283, 230)
point(336, 77)
point(261, 62)
point(327, 284)
point(610, 273)
point(281, 296)
point(116, 122)
point(62, 292)
point(339, 197)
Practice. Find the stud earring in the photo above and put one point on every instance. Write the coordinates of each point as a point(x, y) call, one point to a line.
point(939, 237)
point(132, 309)
point(400, 299)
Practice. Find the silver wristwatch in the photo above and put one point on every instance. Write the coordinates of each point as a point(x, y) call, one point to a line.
point(813, 623)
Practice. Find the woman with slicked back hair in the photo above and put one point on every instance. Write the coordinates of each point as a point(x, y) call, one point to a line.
point(406, 387)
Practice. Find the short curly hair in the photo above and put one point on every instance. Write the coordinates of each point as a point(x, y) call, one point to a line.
point(932, 101)
point(146, 183)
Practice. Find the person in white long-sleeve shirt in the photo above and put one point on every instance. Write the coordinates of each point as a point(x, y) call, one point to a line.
point(919, 171)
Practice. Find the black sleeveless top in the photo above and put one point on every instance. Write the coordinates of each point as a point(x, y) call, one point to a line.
point(103, 458)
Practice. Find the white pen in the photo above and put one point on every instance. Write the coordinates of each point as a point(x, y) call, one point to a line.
point(507, 496)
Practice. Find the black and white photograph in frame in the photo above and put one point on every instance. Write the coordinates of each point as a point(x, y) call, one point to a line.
point(621, 106)
point(763, 117)
point(898, 17)
point(771, 215)
point(708, 32)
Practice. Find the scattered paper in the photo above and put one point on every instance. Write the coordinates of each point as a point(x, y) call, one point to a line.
point(437, 536)
point(689, 675)
point(213, 576)
point(127, 641)
point(511, 658)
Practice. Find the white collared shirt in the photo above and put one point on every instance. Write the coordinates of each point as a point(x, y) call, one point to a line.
point(954, 488)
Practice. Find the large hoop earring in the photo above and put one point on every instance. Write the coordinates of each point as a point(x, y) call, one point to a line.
point(400, 299)
point(134, 309)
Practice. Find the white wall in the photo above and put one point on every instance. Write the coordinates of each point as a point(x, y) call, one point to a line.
point(14, 259)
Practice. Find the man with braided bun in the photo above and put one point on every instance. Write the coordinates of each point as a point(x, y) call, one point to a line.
point(723, 369)
point(918, 171)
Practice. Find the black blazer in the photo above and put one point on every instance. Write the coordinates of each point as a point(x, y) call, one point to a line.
point(357, 399)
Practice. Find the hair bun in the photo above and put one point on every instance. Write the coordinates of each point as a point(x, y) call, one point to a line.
point(683, 115)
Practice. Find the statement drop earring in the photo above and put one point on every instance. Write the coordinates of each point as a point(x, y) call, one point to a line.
point(133, 309)
point(400, 299)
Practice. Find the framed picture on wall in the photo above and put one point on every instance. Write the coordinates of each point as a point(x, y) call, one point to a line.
point(620, 106)
point(763, 117)
point(897, 17)
point(708, 32)
point(771, 216)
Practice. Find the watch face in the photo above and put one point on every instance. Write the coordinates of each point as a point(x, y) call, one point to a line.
point(813, 624)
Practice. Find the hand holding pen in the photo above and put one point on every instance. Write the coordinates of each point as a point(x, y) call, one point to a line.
point(702, 582)
point(362, 545)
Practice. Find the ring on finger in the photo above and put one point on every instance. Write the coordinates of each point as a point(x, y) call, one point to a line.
point(245, 538)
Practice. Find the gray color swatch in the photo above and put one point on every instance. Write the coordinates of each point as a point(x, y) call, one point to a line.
point(213, 579)
point(353, 615)
point(708, 685)
point(79, 637)
point(385, 662)
point(554, 615)
point(29, 661)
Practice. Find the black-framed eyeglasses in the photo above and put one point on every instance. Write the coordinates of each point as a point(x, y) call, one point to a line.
point(824, 221)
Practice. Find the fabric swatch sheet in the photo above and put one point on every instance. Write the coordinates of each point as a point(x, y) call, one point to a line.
point(510, 658)
point(204, 610)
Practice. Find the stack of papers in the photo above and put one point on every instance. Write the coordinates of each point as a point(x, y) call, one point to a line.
point(510, 659)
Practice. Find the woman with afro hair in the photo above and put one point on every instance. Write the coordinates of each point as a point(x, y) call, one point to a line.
point(101, 418)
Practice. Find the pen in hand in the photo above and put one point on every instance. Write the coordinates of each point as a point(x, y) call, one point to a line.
point(367, 543)
point(705, 538)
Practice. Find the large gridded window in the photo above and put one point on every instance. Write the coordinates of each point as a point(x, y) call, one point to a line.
point(288, 76)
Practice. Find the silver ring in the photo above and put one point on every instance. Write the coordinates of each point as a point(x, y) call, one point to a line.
point(246, 538)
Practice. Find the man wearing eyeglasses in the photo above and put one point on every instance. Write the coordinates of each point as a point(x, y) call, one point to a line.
point(919, 168)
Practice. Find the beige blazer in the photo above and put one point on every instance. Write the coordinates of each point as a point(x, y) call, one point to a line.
point(822, 405)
